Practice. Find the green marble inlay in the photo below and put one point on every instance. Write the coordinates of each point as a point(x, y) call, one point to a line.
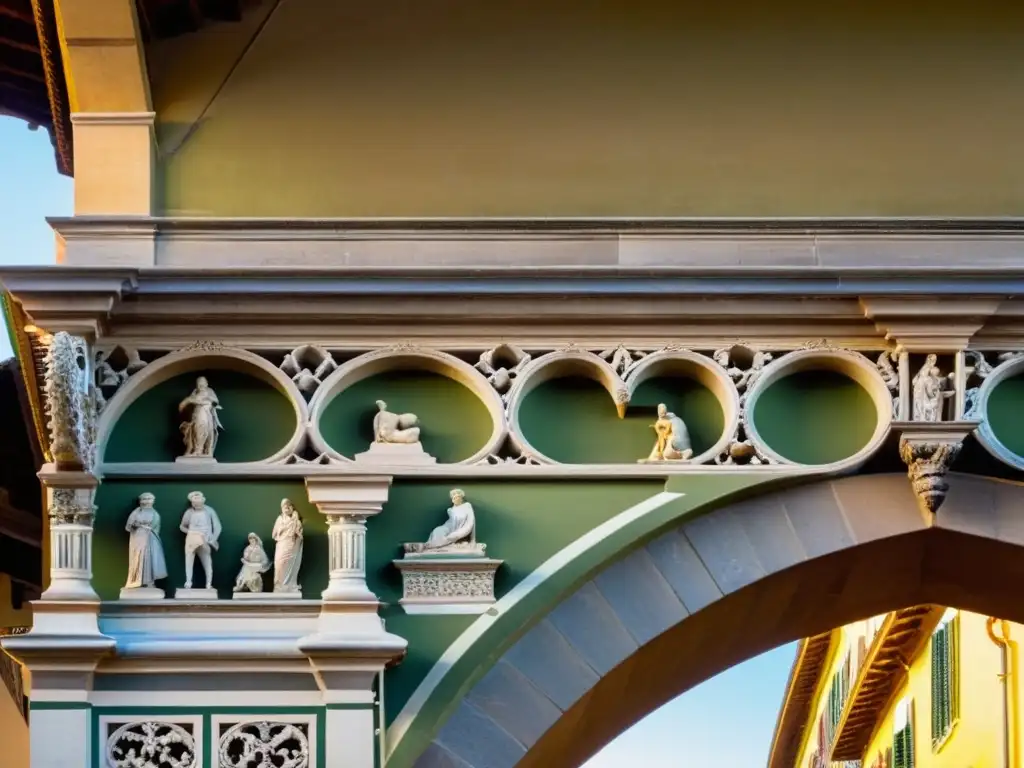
point(258, 420)
point(815, 417)
point(1005, 413)
point(454, 423)
point(573, 419)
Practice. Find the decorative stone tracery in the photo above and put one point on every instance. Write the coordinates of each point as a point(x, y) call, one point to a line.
point(264, 744)
point(151, 744)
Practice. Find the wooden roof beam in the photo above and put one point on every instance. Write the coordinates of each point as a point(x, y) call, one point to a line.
point(20, 46)
point(20, 73)
point(12, 13)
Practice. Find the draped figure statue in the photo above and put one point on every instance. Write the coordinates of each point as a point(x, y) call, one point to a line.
point(458, 533)
point(201, 430)
point(287, 535)
point(146, 561)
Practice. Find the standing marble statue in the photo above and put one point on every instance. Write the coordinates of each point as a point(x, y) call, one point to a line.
point(673, 438)
point(146, 563)
point(201, 430)
point(457, 535)
point(202, 528)
point(393, 427)
point(254, 564)
point(930, 391)
point(287, 536)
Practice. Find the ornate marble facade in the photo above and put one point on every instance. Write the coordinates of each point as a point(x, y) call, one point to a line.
point(303, 663)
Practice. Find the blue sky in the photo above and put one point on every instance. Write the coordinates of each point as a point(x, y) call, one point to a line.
point(726, 722)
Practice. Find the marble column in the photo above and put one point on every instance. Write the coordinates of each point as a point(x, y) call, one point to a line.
point(71, 511)
point(351, 646)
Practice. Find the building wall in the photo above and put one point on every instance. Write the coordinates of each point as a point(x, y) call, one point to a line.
point(648, 107)
point(848, 642)
point(15, 733)
point(976, 738)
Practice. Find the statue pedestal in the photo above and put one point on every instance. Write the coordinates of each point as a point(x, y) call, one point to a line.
point(395, 454)
point(195, 594)
point(195, 460)
point(442, 583)
point(267, 597)
point(141, 593)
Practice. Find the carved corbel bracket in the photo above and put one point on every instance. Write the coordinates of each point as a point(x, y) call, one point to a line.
point(928, 450)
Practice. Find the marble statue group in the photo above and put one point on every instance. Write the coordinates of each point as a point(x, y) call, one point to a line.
point(202, 529)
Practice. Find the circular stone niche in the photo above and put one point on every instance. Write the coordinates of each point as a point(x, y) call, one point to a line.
point(258, 420)
point(815, 417)
point(573, 420)
point(1005, 414)
point(454, 424)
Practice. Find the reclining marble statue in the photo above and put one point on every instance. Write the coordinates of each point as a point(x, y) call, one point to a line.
point(456, 537)
point(450, 571)
point(146, 562)
point(396, 439)
point(201, 430)
point(202, 529)
point(673, 438)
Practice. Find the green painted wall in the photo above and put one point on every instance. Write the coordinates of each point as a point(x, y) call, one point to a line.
point(149, 429)
point(347, 422)
point(1006, 413)
point(815, 417)
point(523, 523)
point(701, 494)
point(627, 107)
point(573, 420)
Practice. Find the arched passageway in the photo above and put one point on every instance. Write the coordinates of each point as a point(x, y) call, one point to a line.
point(722, 588)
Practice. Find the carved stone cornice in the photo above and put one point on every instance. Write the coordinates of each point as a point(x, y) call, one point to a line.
point(599, 306)
point(929, 324)
point(929, 450)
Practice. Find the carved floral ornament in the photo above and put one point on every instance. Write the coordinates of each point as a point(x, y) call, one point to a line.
point(503, 375)
point(264, 744)
point(151, 744)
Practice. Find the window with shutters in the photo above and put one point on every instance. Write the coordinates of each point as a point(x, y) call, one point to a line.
point(838, 692)
point(903, 735)
point(945, 677)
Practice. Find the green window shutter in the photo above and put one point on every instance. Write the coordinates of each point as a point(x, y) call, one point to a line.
point(944, 682)
point(903, 742)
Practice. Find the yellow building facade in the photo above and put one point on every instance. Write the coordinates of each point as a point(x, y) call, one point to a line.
point(923, 687)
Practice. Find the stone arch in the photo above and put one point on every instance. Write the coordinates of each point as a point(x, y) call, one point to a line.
point(721, 588)
point(194, 359)
point(389, 359)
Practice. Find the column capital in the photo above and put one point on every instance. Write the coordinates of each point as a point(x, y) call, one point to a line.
point(349, 495)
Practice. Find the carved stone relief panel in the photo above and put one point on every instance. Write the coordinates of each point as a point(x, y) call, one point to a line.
point(151, 743)
point(264, 744)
